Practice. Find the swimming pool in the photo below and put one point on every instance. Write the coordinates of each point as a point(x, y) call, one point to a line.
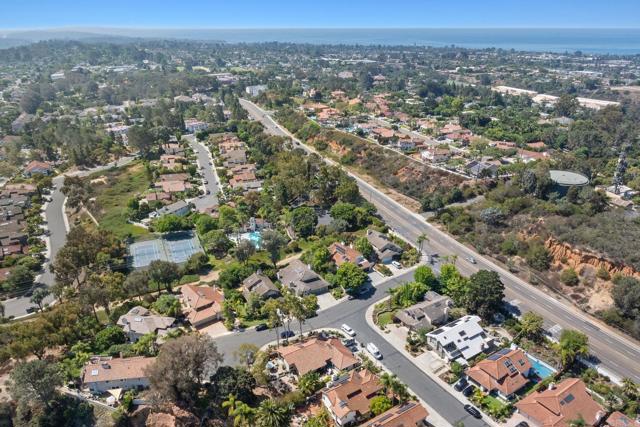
point(254, 237)
point(542, 369)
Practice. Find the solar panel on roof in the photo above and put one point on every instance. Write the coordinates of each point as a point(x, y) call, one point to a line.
point(406, 407)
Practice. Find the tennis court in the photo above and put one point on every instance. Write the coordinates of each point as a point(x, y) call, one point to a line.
point(173, 247)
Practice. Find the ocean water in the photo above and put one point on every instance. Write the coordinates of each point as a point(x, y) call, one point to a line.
point(613, 41)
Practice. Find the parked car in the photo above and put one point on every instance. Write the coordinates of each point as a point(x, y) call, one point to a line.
point(348, 341)
point(396, 264)
point(522, 424)
point(286, 334)
point(348, 330)
point(461, 384)
point(468, 391)
point(373, 350)
point(473, 411)
point(261, 327)
point(472, 260)
point(31, 309)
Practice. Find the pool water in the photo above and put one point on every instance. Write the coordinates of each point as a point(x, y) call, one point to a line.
point(542, 369)
point(254, 237)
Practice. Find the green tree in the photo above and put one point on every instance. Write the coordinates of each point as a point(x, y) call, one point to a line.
point(421, 239)
point(363, 246)
point(109, 336)
point(380, 404)
point(538, 257)
point(243, 415)
point(38, 297)
point(484, 294)
point(167, 305)
point(304, 220)
point(424, 274)
point(35, 383)
point(309, 383)
point(453, 283)
point(569, 277)
point(233, 381)
point(244, 250)
point(345, 212)
point(571, 345)
point(141, 139)
point(531, 326)
point(273, 242)
point(271, 413)
point(566, 105)
point(164, 274)
point(350, 277)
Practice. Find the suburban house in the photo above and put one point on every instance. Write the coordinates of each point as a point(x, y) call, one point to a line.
point(410, 414)
point(461, 340)
point(173, 149)
point(435, 154)
point(255, 90)
point(301, 279)
point(560, 404)
point(433, 311)
point(618, 419)
point(102, 374)
point(480, 169)
point(203, 304)
point(36, 167)
point(348, 401)
point(140, 321)
point(317, 354)
point(385, 248)
point(341, 253)
point(195, 125)
point(504, 372)
point(260, 285)
point(179, 208)
point(234, 157)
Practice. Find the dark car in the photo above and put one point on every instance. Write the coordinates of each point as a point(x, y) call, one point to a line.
point(473, 411)
point(461, 385)
point(468, 391)
point(286, 334)
point(522, 424)
point(261, 327)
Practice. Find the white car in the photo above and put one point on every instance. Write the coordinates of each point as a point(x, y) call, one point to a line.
point(373, 350)
point(396, 264)
point(348, 330)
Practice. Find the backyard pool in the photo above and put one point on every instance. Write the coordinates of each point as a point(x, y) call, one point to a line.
point(542, 369)
point(255, 237)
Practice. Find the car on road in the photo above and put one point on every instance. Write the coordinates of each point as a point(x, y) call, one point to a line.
point(473, 411)
point(472, 260)
point(261, 327)
point(286, 334)
point(373, 350)
point(396, 264)
point(31, 309)
point(461, 384)
point(468, 391)
point(522, 424)
point(348, 330)
point(205, 181)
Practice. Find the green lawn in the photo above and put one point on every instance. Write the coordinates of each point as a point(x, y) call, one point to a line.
point(385, 318)
point(124, 184)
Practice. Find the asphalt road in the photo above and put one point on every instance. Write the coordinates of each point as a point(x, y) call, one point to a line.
point(206, 169)
point(56, 224)
point(352, 313)
point(617, 354)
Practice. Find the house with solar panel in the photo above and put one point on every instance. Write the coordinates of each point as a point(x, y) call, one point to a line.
point(461, 340)
point(503, 373)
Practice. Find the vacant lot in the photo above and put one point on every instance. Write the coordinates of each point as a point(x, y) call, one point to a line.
point(112, 194)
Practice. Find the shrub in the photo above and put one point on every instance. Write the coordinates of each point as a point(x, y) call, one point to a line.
point(569, 277)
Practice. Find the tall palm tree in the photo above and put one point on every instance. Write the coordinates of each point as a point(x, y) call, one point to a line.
point(244, 415)
point(421, 239)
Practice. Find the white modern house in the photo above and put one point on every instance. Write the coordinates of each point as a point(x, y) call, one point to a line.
point(460, 340)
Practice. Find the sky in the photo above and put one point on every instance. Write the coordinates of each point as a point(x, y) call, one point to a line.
point(33, 14)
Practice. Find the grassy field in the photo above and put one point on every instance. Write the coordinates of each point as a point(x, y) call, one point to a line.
point(113, 194)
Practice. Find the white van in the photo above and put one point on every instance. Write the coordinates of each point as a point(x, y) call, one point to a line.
point(373, 350)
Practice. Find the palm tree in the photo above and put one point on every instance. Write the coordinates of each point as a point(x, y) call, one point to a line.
point(571, 345)
point(271, 413)
point(578, 422)
point(421, 239)
point(629, 388)
point(273, 318)
point(391, 384)
point(243, 414)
